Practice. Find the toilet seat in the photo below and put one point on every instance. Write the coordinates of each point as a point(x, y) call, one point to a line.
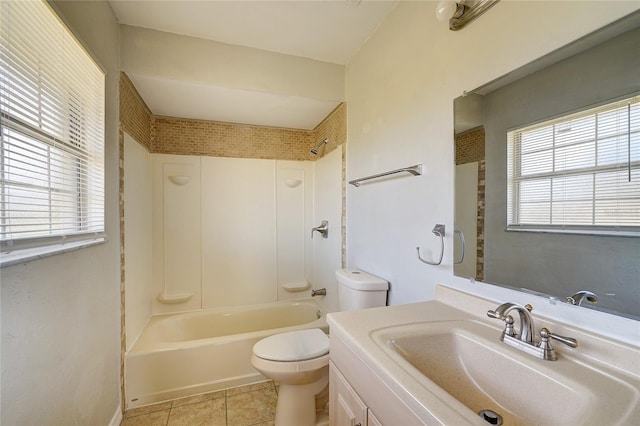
point(293, 346)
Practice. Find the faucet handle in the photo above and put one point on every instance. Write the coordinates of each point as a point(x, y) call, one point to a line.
point(323, 229)
point(569, 341)
point(493, 314)
point(508, 328)
point(548, 353)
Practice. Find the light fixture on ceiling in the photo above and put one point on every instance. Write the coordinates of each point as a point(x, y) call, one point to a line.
point(462, 12)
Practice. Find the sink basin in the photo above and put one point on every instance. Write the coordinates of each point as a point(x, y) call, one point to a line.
point(465, 365)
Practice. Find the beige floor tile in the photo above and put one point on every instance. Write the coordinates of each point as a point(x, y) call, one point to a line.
point(207, 413)
point(156, 418)
point(242, 406)
point(250, 388)
point(269, 423)
point(147, 409)
point(251, 408)
point(198, 398)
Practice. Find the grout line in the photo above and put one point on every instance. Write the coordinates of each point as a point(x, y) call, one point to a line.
point(170, 411)
point(226, 409)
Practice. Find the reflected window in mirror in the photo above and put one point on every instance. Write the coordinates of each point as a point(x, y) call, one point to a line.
point(578, 173)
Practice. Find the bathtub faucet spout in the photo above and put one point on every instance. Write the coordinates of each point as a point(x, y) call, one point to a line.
point(319, 292)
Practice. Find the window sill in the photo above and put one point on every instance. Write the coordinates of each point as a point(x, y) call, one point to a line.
point(28, 255)
point(595, 232)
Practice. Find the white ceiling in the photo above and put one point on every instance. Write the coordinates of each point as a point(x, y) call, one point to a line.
point(324, 30)
point(206, 102)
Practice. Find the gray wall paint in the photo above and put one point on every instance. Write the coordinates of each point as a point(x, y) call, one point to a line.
point(560, 264)
point(61, 315)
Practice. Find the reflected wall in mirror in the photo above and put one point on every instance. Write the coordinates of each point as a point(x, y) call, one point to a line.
point(600, 68)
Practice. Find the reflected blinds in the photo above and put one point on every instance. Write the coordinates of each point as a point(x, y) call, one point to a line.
point(580, 171)
point(52, 124)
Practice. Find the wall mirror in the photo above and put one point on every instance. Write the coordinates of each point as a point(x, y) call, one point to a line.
point(557, 259)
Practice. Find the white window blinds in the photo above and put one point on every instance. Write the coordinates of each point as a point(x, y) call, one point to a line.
point(52, 125)
point(577, 172)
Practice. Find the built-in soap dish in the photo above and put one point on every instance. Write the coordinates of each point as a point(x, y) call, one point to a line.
point(180, 180)
point(292, 183)
point(174, 299)
point(296, 287)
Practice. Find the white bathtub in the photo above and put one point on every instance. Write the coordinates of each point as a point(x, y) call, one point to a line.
point(189, 353)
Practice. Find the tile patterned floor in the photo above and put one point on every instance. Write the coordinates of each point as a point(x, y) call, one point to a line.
point(244, 406)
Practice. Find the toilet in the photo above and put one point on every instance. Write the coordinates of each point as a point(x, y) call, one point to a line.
point(299, 360)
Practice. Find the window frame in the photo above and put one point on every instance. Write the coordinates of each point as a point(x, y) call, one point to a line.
point(69, 132)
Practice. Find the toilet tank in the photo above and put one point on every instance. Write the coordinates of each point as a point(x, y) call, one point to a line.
point(358, 290)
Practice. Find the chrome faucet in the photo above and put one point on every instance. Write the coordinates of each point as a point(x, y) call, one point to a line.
point(577, 298)
point(526, 322)
point(525, 342)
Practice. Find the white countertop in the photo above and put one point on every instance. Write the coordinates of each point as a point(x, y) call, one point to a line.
point(353, 330)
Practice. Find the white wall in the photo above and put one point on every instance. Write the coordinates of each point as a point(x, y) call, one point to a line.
point(61, 315)
point(239, 252)
point(138, 237)
point(399, 90)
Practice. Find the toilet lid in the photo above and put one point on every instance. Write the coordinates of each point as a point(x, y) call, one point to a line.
point(293, 346)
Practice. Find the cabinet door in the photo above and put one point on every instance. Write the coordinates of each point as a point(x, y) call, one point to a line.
point(345, 406)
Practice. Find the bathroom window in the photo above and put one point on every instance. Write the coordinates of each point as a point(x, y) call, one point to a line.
point(577, 173)
point(52, 100)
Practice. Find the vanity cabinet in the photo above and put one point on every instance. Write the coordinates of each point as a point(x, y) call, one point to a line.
point(346, 407)
point(355, 390)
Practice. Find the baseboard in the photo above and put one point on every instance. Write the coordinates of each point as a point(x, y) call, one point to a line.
point(117, 416)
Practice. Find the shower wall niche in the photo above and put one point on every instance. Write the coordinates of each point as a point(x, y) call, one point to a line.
point(177, 229)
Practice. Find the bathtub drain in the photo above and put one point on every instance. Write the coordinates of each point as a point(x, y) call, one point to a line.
point(491, 417)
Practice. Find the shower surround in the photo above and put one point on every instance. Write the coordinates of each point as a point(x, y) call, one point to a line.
point(234, 233)
point(219, 214)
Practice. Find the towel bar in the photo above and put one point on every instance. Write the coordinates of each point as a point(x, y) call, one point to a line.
point(414, 170)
